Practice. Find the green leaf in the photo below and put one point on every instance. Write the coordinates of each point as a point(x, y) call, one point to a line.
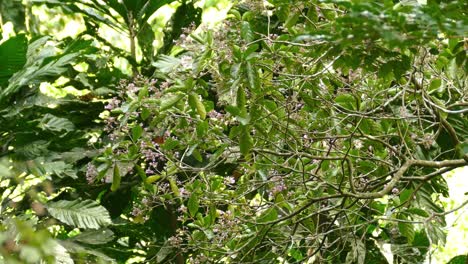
point(80, 213)
point(435, 84)
point(346, 101)
point(405, 195)
point(95, 237)
point(252, 76)
point(13, 54)
point(358, 252)
point(202, 129)
point(245, 141)
point(460, 259)
point(246, 32)
point(87, 251)
point(170, 143)
point(233, 110)
point(296, 254)
point(61, 254)
point(116, 177)
point(407, 230)
point(137, 131)
point(174, 188)
point(145, 113)
point(250, 50)
point(55, 124)
point(170, 100)
point(41, 64)
point(32, 150)
point(241, 99)
point(197, 105)
point(145, 40)
point(193, 204)
point(269, 215)
point(166, 64)
point(60, 168)
point(370, 127)
point(418, 211)
point(308, 100)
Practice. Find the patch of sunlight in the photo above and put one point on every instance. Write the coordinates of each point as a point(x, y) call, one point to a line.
point(61, 81)
point(123, 65)
point(8, 31)
point(158, 21)
point(52, 22)
point(116, 38)
point(81, 67)
point(72, 29)
point(256, 201)
point(26, 182)
point(457, 222)
point(73, 91)
point(214, 11)
point(50, 90)
point(135, 260)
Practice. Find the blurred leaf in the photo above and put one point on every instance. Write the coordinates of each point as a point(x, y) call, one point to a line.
point(246, 32)
point(13, 11)
point(193, 204)
point(42, 62)
point(13, 54)
point(170, 100)
point(166, 64)
point(358, 252)
point(56, 124)
point(346, 101)
point(245, 141)
point(407, 230)
point(269, 215)
point(95, 237)
point(460, 259)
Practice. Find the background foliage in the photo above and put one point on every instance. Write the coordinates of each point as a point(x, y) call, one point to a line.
point(291, 132)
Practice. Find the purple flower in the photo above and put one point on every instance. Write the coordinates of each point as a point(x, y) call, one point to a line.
point(113, 103)
point(136, 211)
point(91, 173)
point(229, 180)
point(182, 209)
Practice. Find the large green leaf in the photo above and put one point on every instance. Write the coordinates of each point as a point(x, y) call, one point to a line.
point(56, 124)
point(80, 213)
point(78, 249)
point(460, 259)
point(13, 54)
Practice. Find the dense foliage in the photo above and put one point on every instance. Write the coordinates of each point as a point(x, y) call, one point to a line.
point(293, 132)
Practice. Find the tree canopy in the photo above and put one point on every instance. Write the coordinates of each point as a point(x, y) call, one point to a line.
point(293, 131)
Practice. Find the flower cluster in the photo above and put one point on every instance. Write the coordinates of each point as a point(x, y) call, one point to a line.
point(153, 156)
point(91, 173)
point(113, 104)
point(278, 186)
point(215, 115)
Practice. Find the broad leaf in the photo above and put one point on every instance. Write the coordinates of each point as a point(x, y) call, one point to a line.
point(95, 237)
point(13, 54)
point(80, 213)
